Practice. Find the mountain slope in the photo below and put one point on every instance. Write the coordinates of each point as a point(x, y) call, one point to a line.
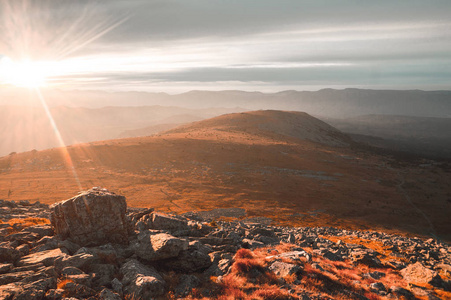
point(273, 123)
point(258, 161)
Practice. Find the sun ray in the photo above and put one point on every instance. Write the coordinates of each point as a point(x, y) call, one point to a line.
point(63, 146)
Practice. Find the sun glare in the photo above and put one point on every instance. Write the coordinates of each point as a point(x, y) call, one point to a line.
point(22, 73)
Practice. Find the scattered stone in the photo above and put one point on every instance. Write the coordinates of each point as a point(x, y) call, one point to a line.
point(159, 246)
point(8, 253)
point(399, 291)
point(5, 268)
point(189, 261)
point(45, 257)
point(107, 294)
point(140, 281)
point(378, 286)
point(282, 269)
point(186, 285)
point(94, 263)
point(161, 221)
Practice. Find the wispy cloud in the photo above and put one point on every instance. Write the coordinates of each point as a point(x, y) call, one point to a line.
point(160, 45)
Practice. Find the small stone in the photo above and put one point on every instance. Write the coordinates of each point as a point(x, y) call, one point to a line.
point(107, 294)
point(282, 269)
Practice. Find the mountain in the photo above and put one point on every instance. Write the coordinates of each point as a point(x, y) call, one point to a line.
point(425, 136)
point(326, 102)
point(286, 166)
point(271, 123)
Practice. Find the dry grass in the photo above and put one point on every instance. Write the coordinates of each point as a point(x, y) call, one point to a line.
point(20, 224)
point(62, 283)
point(141, 168)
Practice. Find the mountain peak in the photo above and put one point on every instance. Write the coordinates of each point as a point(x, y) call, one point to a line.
point(274, 123)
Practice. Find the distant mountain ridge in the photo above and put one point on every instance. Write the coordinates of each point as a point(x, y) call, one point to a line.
point(326, 102)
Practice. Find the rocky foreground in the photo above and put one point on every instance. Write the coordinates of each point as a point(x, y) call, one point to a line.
point(93, 247)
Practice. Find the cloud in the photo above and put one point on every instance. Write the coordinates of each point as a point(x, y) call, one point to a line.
point(402, 43)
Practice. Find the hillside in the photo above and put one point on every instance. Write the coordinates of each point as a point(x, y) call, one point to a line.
point(425, 136)
point(285, 166)
point(276, 124)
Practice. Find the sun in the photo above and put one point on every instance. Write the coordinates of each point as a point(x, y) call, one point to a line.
point(24, 73)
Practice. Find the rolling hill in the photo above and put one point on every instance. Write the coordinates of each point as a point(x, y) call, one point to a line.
point(287, 166)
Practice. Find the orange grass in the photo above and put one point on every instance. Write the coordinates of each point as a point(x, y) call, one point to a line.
point(19, 224)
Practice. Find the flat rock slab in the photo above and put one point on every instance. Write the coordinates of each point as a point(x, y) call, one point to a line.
point(47, 258)
point(93, 218)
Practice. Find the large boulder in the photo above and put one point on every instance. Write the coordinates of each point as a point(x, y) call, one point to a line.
point(140, 281)
point(92, 218)
point(418, 274)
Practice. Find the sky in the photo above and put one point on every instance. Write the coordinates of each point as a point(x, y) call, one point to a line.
point(256, 45)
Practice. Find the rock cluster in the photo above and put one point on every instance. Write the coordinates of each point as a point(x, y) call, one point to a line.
point(96, 248)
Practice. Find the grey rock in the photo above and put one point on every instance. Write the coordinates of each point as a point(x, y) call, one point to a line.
point(399, 291)
point(94, 217)
point(32, 267)
point(117, 286)
point(71, 271)
point(378, 286)
point(47, 258)
point(80, 291)
point(54, 294)
point(186, 285)
point(83, 279)
point(282, 269)
point(14, 277)
point(4, 268)
point(36, 290)
point(189, 261)
point(23, 249)
point(252, 244)
point(419, 274)
point(376, 275)
point(159, 246)
point(140, 281)
point(8, 253)
point(41, 230)
point(107, 294)
point(81, 261)
point(103, 273)
point(161, 221)
point(69, 246)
